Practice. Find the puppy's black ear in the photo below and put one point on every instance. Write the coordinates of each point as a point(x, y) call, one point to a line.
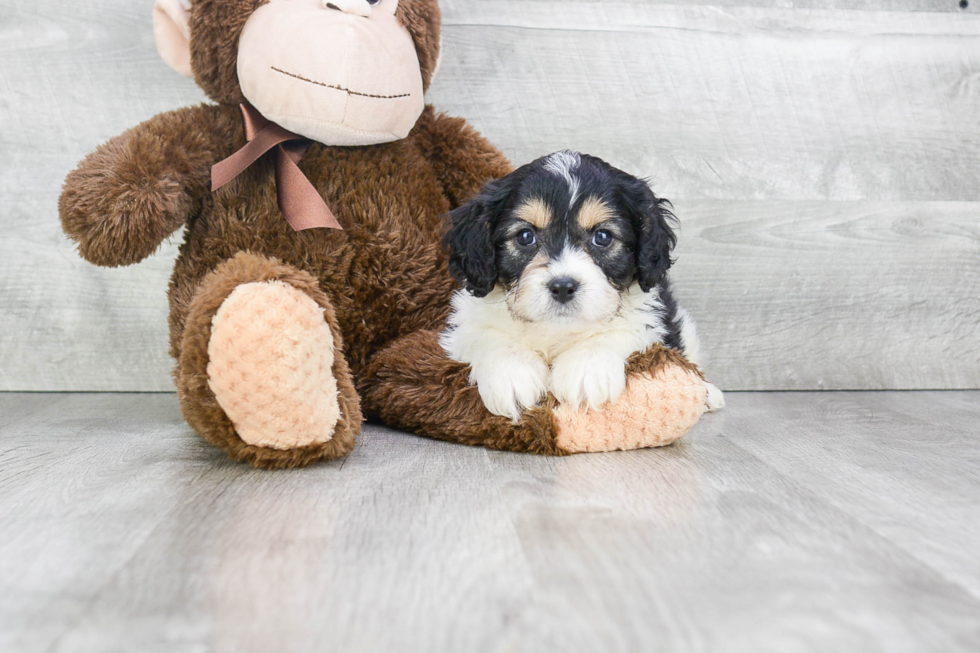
point(655, 238)
point(469, 241)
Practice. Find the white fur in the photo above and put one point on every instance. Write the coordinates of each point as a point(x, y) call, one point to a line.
point(591, 373)
point(690, 342)
point(594, 301)
point(715, 399)
point(580, 356)
point(563, 164)
point(691, 345)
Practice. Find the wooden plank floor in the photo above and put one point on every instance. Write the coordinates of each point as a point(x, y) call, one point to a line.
point(788, 522)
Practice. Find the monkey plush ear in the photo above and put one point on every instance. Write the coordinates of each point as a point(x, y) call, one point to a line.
point(171, 30)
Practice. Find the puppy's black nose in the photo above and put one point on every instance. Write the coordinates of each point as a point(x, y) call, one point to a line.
point(563, 289)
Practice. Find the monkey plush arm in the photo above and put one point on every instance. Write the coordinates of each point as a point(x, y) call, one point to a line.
point(141, 186)
point(462, 158)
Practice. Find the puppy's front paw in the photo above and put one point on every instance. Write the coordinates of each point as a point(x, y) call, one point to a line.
point(512, 383)
point(591, 377)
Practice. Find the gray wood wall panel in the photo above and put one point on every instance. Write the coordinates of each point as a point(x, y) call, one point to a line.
point(823, 158)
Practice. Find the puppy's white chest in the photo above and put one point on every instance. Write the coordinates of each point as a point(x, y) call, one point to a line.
point(550, 342)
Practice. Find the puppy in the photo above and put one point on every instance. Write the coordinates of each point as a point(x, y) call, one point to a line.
point(563, 265)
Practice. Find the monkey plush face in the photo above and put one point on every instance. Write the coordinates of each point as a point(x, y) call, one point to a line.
point(340, 72)
point(343, 72)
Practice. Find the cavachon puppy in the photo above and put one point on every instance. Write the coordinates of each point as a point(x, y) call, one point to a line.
point(564, 268)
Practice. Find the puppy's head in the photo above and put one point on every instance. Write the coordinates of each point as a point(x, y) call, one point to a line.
point(564, 236)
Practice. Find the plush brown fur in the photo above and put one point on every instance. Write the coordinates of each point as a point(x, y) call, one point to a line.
point(140, 187)
point(423, 20)
point(216, 26)
point(383, 281)
point(386, 273)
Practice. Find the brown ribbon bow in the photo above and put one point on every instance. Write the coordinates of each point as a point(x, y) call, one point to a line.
point(299, 200)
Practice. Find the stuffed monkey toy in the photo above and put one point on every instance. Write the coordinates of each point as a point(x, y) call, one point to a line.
point(312, 285)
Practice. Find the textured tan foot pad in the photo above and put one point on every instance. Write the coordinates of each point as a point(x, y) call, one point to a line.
point(651, 412)
point(270, 357)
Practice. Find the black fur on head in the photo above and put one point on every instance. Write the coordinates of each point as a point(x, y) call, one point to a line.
point(653, 223)
point(579, 198)
point(470, 238)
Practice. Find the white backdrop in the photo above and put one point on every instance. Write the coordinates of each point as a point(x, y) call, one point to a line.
point(823, 156)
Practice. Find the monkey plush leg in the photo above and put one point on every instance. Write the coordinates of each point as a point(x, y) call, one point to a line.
point(412, 385)
point(261, 372)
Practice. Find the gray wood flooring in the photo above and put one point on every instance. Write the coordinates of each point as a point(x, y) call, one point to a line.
point(788, 522)
point(822, 156)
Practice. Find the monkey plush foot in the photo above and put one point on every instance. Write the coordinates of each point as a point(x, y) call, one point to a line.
point(261, 371)
point(270, 357)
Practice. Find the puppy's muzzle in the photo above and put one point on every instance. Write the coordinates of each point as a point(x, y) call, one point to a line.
point(563, 289)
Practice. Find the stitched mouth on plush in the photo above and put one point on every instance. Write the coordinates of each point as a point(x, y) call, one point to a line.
point(336, 87)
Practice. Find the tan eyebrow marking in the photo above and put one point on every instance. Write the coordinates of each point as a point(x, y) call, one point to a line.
point(535, 212)
point(593, 212)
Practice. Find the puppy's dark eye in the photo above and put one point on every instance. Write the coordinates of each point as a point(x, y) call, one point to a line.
point(374, 2)
point(526, 238)
point(602, 238)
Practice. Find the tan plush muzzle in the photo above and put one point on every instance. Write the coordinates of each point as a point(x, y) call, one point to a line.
point(340, 73)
